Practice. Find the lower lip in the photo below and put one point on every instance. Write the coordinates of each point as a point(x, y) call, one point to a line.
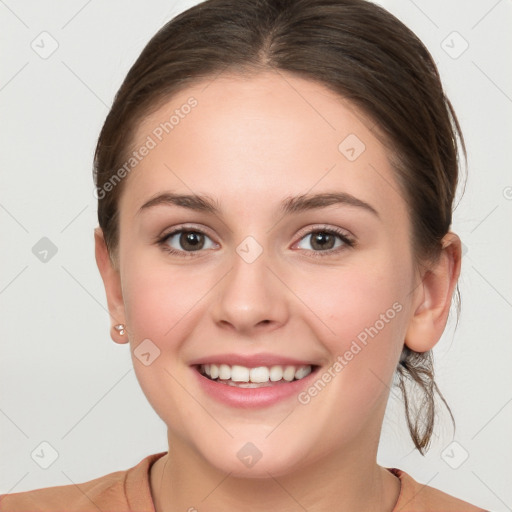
point(253, 397)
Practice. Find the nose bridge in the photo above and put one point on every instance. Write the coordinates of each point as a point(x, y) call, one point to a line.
point(250, 294)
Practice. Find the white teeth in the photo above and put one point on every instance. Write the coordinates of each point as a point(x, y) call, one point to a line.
point(302, 372)
point(276, 373)
point(289, 373)
point(258, 375)
point(245, 384)
point(224, 372)
point(214, 371)
point(240, 374)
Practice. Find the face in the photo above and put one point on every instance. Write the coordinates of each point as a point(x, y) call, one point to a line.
point(327, 282)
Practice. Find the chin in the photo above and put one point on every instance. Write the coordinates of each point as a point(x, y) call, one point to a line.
point(255, 460)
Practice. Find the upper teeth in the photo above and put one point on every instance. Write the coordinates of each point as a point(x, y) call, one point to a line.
point(260, 374)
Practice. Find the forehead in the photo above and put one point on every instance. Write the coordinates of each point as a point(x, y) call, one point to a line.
point(259, 137)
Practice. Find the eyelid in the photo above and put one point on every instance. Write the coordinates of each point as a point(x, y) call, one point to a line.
point(161, 240)
point(185, 227)
point(348, 239)
point(324, 227)
point(203, 229)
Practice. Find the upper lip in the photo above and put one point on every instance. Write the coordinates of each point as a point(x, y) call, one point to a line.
point(251, 361)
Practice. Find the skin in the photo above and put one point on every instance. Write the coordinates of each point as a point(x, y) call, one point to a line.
point(250, 143)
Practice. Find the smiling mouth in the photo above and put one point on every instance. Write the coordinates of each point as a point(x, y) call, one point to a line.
point(261, 376)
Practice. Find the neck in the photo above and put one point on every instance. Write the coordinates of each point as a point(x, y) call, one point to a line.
point(348, 481)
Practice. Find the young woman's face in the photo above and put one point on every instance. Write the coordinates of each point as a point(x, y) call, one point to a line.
point(324, 283)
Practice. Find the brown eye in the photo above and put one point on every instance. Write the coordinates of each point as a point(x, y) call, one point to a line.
point(322, 240)
point(187, 241)
point(325, 241)
point(191, 240)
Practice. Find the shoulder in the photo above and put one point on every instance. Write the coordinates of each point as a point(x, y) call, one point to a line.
point(417, 497)
point(118, 491)
point(80, 498)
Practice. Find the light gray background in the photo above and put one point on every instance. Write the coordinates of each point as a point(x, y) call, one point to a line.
point(64, 382)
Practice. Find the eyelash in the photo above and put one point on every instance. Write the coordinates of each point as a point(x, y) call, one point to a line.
point(347, 241)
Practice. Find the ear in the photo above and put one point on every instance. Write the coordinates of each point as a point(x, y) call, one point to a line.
point(434, 297)
point(112, 283)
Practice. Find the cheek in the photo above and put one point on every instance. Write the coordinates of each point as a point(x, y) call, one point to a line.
point(363, 313)
point(355, 301)
point(160, 304)
point(157, 296)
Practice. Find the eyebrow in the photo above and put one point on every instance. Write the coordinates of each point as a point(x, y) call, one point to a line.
point(296, 204)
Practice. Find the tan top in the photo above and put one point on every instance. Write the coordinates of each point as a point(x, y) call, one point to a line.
point(129, 491)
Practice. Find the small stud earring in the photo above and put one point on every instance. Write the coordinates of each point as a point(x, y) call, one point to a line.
point(120, 328)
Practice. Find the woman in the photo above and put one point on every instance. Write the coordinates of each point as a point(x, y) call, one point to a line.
point(275, 183)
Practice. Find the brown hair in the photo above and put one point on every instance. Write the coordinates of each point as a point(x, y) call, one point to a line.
point(353, 47)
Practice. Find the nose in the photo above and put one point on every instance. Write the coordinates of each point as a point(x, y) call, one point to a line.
point(251, 298)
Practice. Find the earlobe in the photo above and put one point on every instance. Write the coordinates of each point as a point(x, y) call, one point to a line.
point(112, 282)
point(434, 297)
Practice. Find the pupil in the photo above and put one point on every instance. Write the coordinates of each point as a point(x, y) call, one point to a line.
point(191, 240)
point(322, 239)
